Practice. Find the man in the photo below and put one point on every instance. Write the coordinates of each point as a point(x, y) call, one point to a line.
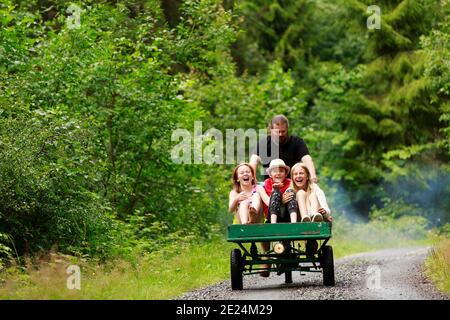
point(291, 149)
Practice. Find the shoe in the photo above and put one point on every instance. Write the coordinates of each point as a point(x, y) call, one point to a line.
point(306, 219)
point(317, 217)
point(265, 273)
point(326, 217)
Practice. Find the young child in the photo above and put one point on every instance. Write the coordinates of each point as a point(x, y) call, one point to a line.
point(276, 187)
point(244, 199)
point(310, 198)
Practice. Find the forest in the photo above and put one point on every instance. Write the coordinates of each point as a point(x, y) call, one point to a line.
point(92, 92)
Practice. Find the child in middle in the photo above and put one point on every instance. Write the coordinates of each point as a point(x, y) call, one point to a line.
point(276, 187)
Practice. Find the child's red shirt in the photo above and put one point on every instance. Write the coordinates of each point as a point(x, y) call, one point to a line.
point(268, 183)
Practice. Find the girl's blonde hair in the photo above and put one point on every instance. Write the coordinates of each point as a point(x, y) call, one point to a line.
point(236, 184)
point(308, 183)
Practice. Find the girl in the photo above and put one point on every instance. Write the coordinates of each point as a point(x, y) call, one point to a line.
point(311, 199)
point(244, 199)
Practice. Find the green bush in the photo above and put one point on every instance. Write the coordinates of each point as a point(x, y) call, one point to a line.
point(45, 186)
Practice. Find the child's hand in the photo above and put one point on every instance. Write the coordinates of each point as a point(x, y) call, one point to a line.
point(327, 217)
point(243, 196)
point(287, 196)
point(278, 185)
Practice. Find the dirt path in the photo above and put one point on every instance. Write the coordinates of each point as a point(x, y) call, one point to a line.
point(385, 274)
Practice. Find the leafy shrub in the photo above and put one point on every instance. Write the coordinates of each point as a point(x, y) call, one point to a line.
point(45, 186)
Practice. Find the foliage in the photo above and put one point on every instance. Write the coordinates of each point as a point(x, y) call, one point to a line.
point(181, 266)
point(382, 114)
point(87, 113)
point(436, 47)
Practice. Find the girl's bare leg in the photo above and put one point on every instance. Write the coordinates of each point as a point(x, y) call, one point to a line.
point(254, 209)
point(243, 212)
point(314, 208)
point(273, 218)
point(255, 214)
point(256, 202)
point(293, 217)
point(301, 199)
point(313, 203)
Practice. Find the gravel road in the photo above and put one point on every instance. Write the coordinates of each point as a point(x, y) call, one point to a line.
point(385, 274)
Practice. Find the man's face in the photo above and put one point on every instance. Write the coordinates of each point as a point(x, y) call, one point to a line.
point(279, 133)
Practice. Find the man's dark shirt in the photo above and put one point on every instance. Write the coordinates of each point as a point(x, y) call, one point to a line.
point(291, 152)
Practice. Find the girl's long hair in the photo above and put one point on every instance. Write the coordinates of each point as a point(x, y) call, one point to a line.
point(308, 183)
point(236, 184)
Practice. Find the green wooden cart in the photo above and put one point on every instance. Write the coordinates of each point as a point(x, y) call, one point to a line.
point(287, 253)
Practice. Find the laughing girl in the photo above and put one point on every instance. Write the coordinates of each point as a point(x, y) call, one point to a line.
point(244, 199)
point(311, 199)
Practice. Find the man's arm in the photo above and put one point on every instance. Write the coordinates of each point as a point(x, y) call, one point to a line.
point(254, 161)
point(310, 164)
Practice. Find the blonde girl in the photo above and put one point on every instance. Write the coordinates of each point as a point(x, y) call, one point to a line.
point(308, 202)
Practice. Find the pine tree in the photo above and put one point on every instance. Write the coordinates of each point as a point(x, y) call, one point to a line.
point(385, 124)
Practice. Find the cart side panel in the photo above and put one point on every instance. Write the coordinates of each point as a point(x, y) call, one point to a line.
point(278, 231)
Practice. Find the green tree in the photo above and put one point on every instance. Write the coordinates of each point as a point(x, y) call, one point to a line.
point(385, 117)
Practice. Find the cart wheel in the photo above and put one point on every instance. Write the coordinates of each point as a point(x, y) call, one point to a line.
point(288, 276)
point(236, 269)
point(327, 266)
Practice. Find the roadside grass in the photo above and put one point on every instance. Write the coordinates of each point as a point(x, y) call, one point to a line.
point(160, 275)
point(350, 238)
point(182, 267)
point(437, 266)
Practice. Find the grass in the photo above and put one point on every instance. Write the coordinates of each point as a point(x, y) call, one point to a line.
point(349, 238)
point(182, 267)
point(161, 275)
point(437, 266)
